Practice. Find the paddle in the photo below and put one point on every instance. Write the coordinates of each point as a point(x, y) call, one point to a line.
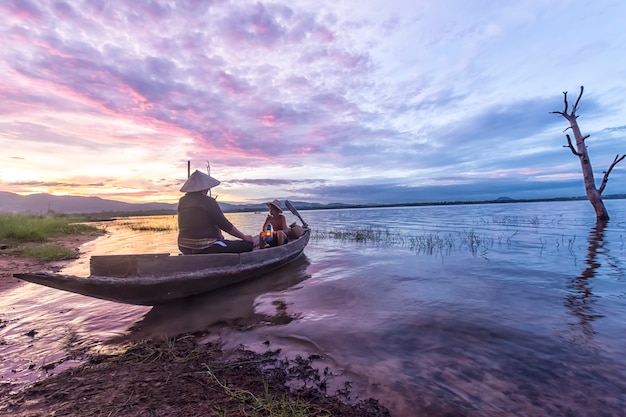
point(295, 212)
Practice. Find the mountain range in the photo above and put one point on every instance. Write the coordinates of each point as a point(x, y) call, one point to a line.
point(45, 203)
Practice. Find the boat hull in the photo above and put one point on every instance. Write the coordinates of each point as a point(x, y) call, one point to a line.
point(152, 279)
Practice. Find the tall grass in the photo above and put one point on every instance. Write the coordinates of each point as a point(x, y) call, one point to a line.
point(27, 235)
point(21, 228)
point(151, 224)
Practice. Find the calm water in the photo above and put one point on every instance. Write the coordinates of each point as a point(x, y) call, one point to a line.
point(478, 310)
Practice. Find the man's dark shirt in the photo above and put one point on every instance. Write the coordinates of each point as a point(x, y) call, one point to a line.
point(199, 216)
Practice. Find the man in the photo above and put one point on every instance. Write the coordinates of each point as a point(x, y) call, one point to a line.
point(201, 220)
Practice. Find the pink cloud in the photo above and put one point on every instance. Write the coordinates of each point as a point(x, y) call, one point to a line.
point(23, 10)
point(231, 84)
point(255, 26)
point(267, 120)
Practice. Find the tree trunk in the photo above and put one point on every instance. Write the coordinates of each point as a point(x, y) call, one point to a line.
point(594, 196)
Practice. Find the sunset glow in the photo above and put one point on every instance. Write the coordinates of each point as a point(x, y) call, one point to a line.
point(382, 102)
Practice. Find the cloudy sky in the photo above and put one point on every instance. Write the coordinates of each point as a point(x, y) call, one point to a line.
point(354, 101)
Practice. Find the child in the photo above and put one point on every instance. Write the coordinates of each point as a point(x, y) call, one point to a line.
point(279, 224)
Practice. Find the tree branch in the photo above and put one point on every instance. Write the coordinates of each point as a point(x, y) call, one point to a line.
point(565, 100)
point(571, 146)
point(578, 100)
point(616, 161)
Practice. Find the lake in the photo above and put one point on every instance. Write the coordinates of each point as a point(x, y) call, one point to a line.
point(514, 309)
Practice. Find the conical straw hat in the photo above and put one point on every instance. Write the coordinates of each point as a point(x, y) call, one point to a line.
point(199, 181)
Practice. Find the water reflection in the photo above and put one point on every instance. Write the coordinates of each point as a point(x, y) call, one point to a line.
point(231, 306)
point(581, 299)
point(514, 335)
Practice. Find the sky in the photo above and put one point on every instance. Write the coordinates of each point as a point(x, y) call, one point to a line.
point(343, 101)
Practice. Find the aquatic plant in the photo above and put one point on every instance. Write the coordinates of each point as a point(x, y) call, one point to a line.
point(429, 243)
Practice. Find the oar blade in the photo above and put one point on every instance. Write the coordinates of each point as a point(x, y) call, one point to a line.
point(295, 212)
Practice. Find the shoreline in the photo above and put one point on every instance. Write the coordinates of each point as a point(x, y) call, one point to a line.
point(11, 264)
point(180, 376)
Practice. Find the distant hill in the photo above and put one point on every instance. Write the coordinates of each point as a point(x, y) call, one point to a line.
point(44, 203)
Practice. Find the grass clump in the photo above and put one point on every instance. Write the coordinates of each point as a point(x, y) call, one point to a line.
point(151, 224)
point(267, 403)
point(28, 235)
point(428, 243)
point(23, 228)
point(47, 253)
point(381, 236)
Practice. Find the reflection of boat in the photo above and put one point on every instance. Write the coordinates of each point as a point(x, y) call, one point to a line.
point(151, 279)
point(233, 305)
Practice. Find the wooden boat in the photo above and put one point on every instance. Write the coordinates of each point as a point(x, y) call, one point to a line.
point(151, 279)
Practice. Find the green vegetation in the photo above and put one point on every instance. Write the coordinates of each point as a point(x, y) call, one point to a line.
point(48, 252)
point(38, 228)
point(28, 234)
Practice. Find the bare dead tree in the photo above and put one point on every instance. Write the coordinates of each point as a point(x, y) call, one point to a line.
point(594, 194)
